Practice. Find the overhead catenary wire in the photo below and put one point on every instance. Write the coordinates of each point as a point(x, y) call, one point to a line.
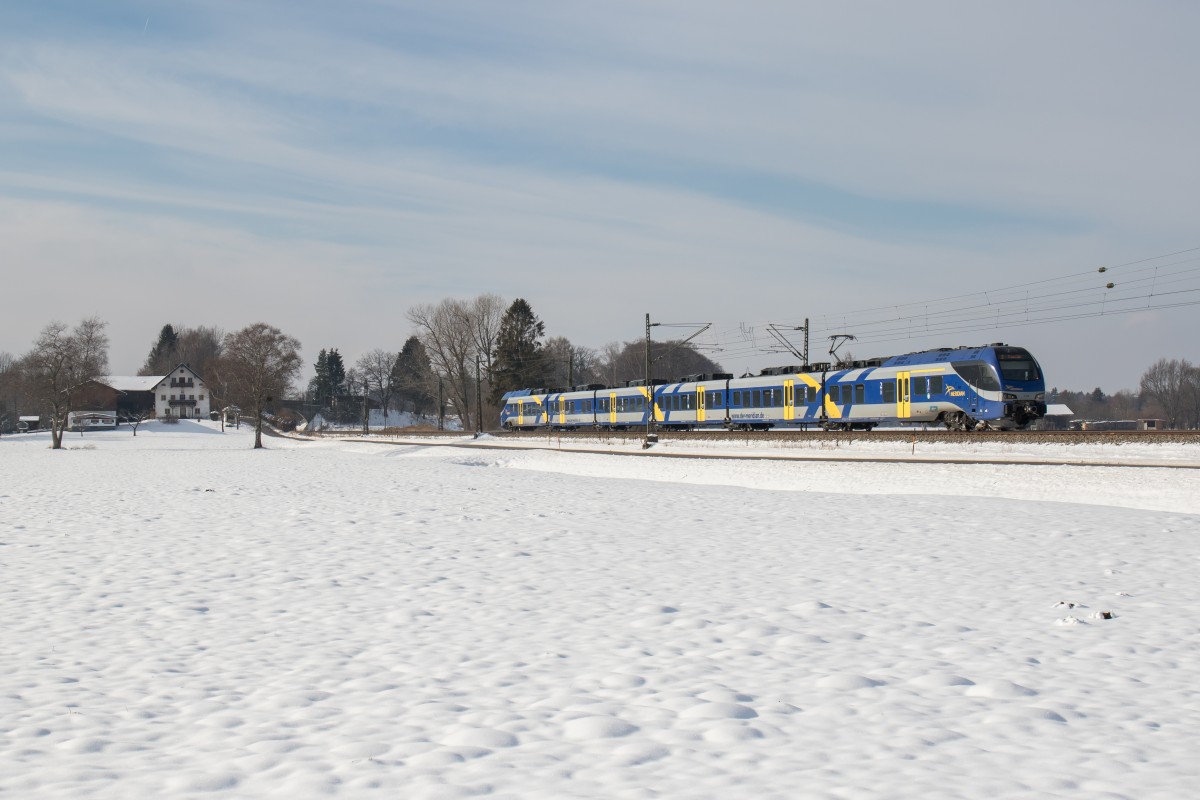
point(1146, 284)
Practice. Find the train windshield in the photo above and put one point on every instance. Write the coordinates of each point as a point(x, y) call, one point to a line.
point(979, 374)
point(1017, 365)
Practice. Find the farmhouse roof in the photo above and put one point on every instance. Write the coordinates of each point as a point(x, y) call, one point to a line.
point(141, 383)
point(131, 383)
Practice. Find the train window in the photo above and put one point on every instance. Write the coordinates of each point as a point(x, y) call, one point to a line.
point(756, 398)
point(860, 393)
point(920, 385)
point(935, 385)
point(737, 397)
point(979, 374)
point(1017, 365)
point(889, 391)
point(717, 400)
point(833, 393)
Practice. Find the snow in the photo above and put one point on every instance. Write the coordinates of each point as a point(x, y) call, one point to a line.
point(187, 617)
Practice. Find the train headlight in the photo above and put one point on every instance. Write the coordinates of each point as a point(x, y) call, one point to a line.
point(1040, 397)
point(1008, 396)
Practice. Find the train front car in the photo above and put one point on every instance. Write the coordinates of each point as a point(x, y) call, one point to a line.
point(966, 388)
point(1022, 385)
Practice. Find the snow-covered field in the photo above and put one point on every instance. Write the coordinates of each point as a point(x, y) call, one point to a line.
point(186, 617)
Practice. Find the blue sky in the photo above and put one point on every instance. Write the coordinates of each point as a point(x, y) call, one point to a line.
point(324, 167)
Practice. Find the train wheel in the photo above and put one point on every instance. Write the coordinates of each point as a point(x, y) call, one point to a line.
point(957, 421)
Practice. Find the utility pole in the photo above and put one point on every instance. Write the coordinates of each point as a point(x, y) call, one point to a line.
point(478, 398)
point(366, 410)
point(441, 407)
point(651, 436)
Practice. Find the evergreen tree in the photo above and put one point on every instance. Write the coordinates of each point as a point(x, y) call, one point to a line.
point(518, 361)
point(164, 355)
point(337, 373)
point(413, 377)
point(319, 385)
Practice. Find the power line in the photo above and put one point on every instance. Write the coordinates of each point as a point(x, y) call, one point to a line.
point(1146, 284)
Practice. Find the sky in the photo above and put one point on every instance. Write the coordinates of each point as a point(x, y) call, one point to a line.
point(325, 167)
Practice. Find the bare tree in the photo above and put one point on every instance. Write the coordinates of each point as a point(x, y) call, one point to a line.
point(199, 347)
point(196, 347)
point(485, 313)
point(377, 369)
point(61, 361)
point(450, 338)
point(135, 418)
point(1193, 391)
point(258, 364)
point(608, 363)
point(10, 391)
point(1168, 383)
point(569, 364)
point(670, 359)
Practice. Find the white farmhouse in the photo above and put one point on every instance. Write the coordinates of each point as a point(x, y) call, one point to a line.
point(182, 393)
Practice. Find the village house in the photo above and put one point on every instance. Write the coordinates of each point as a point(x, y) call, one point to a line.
point(182, 394)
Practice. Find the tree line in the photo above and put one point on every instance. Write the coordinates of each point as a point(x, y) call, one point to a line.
point(1168, 390)
point(465, 354)
point(460, 359)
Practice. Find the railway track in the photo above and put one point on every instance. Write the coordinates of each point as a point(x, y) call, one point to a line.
point(930, 435)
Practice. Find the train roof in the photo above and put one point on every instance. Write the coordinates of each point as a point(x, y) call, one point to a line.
point(960, 353)
point(934, 355)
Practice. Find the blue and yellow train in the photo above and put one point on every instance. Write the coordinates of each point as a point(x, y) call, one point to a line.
point(964, 388)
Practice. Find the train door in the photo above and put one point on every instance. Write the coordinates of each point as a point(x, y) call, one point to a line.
point(562, 411)
point(903, 395)
point(789, 400)
point(700, 404)
point(612, 408)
